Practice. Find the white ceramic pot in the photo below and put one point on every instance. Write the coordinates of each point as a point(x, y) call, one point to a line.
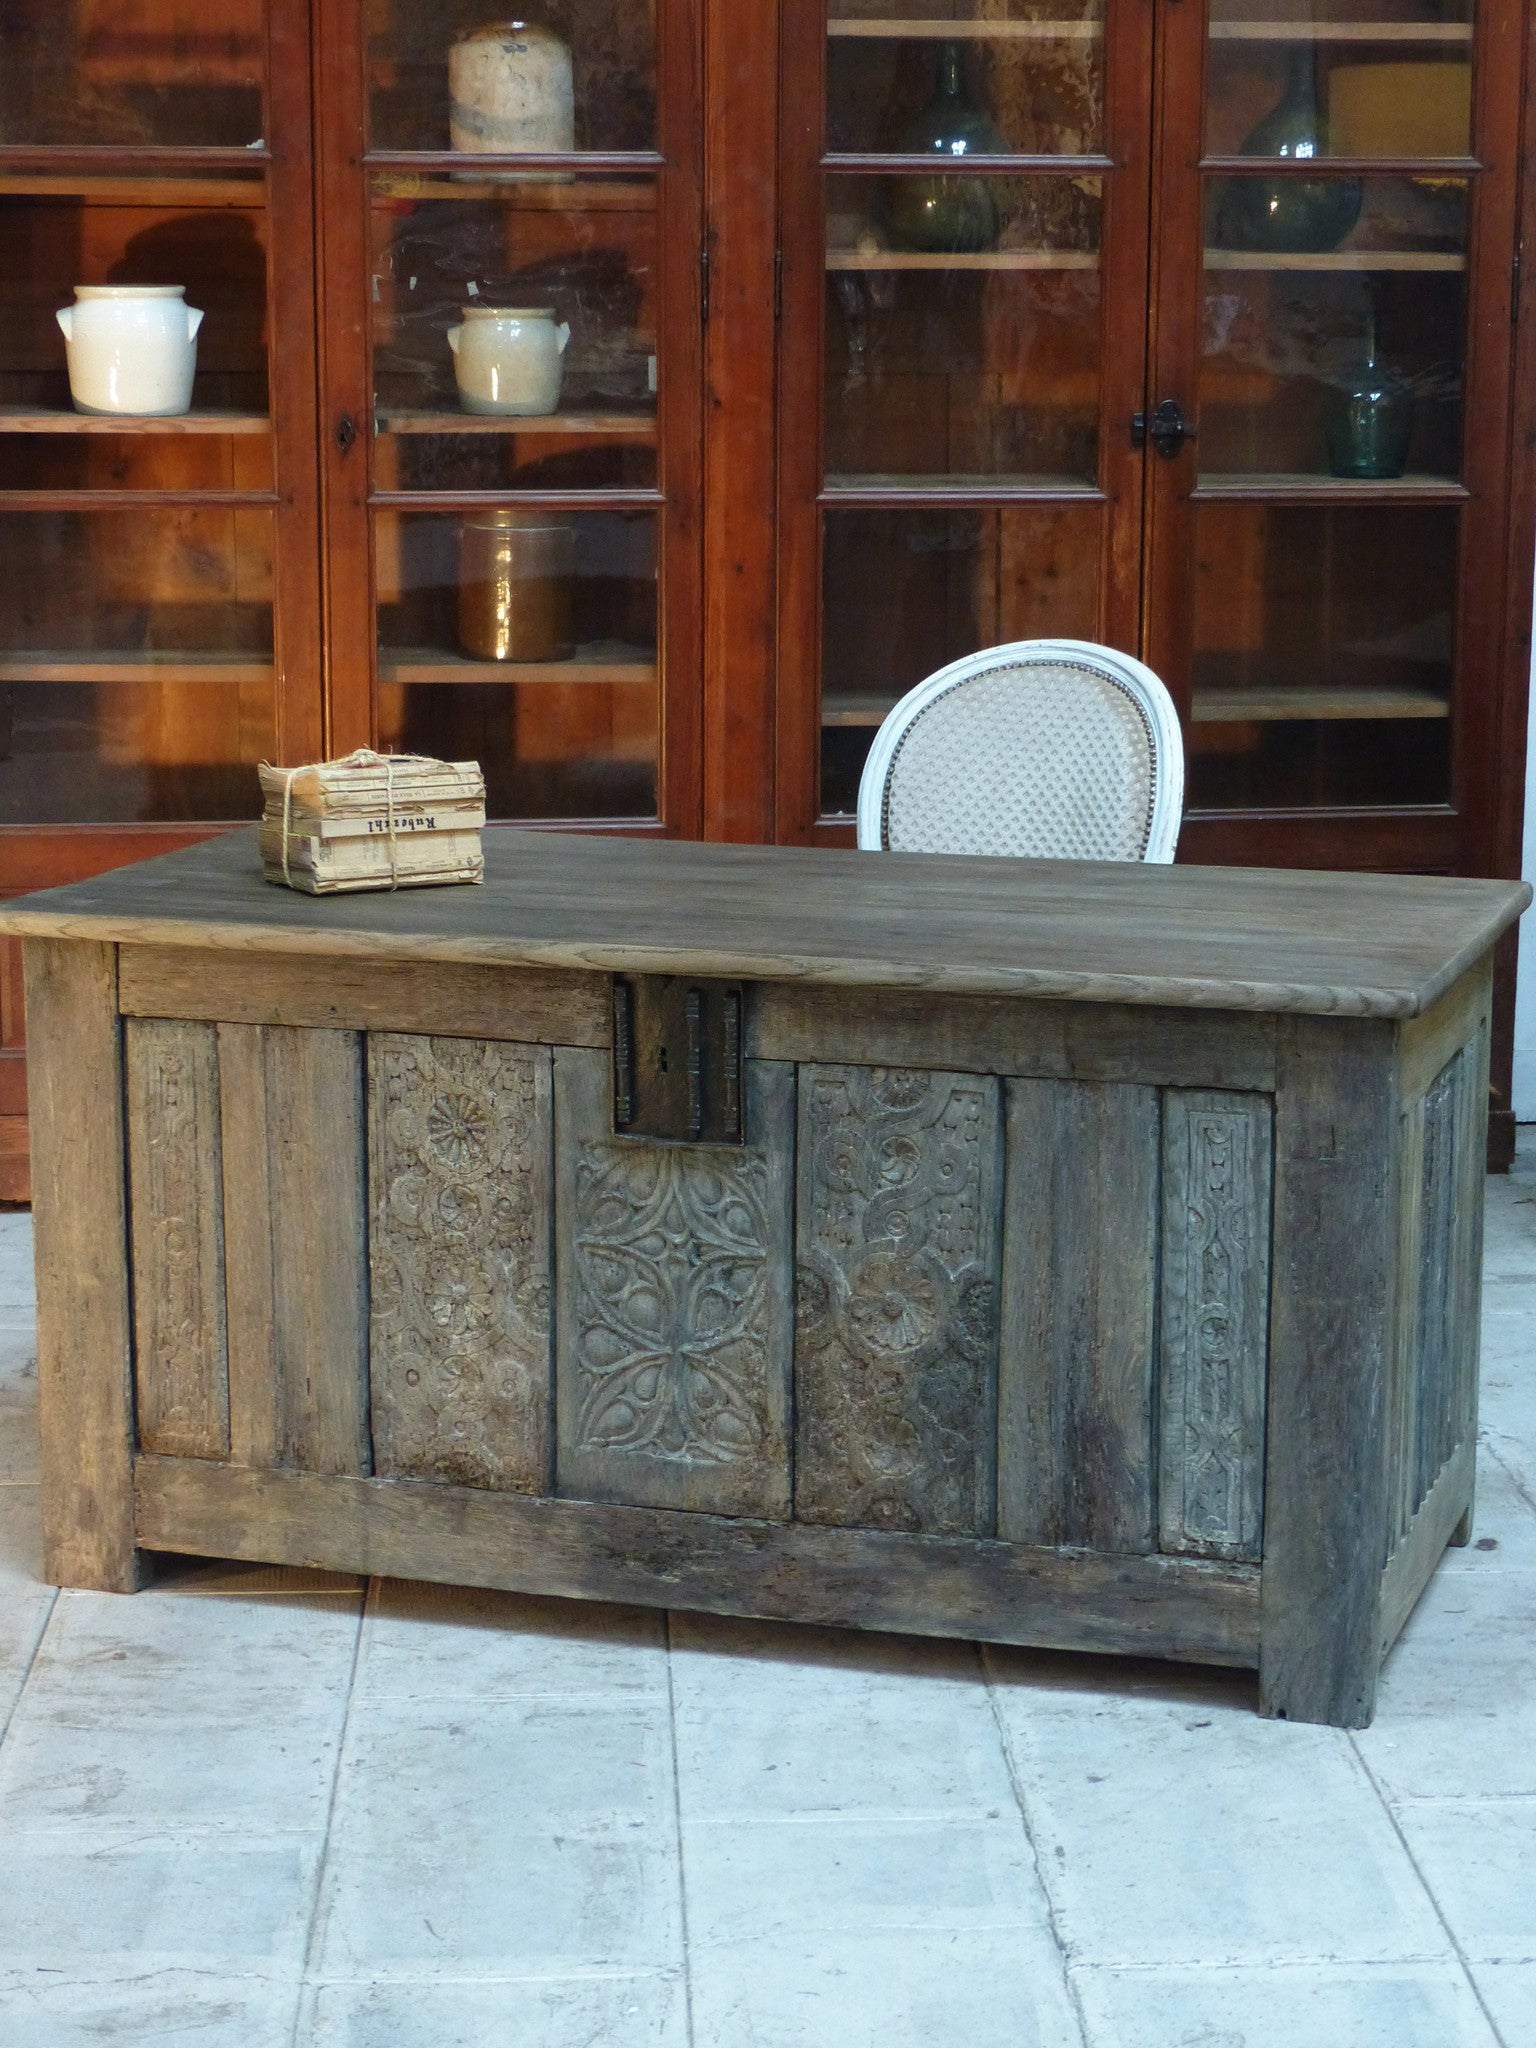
point(132, 348)
point(510, 88)
point(507, 359)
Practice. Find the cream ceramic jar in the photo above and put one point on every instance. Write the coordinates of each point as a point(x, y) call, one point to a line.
point(510, 87)
point(507, 359)
point(132, 348)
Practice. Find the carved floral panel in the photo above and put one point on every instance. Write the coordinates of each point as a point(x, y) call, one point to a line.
point(897, 1299)
point(1217, 1151)
point(459, 1253)
point(674, 1259)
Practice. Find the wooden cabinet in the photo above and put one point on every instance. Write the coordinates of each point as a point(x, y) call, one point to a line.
point(827, 419)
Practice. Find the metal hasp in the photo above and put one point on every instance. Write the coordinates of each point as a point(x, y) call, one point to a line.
point(1167, 429)
point(677, 1059)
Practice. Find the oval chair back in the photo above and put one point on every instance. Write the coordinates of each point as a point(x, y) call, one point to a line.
point(1054, 748)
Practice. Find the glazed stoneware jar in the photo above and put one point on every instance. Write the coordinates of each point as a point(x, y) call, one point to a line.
point(510, 88)
point(132, 348)
point(507, 359)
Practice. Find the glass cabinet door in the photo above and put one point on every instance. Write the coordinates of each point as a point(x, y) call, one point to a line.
point(1317, 525)
point(512, 329)
point(964, 204)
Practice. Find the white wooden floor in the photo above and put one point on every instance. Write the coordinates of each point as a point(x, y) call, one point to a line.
point(257, 1810)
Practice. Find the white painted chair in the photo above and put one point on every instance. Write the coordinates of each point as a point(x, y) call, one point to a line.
point(1053, 748)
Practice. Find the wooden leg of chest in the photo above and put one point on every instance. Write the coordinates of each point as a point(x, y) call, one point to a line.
point(84, 1348)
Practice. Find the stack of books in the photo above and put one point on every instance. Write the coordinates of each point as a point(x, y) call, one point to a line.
point(372, 821)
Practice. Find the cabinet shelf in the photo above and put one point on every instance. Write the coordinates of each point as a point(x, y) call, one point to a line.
point(92, 665)
point(1330, 490)
point(402, 419)
point(852, 710)
point(599, 662)
point(1341, 31)
point(990, 259)
point(1335, 259)
point(18, 419)
point(102, 189)
point(1273, 706)
point(523, 194)
point(893, 30)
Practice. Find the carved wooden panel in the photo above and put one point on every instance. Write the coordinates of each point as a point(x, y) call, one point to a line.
point(1075, 1458)
point(180, 1368)
point(1217, 1175)
point(459, 1137)
point(897, 1299)
point(674, 1295)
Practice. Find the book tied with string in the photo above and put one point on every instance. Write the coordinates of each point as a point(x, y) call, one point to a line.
point(372, 821)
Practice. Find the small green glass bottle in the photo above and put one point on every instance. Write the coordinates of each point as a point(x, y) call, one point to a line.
point(951, 216)
point(1369, 422)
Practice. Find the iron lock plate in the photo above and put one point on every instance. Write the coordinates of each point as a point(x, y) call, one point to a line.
point(677, 1059)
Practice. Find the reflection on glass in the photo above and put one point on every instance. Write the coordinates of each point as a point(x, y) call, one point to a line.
point(904, 592)
point(980, 369)
point(585, 76)
point(96, 71)
point(1278, 87)
point(1295, 347)
point(577, 255)
point(1027, 74)
point(1323, 655)
point(135, 664)
point(525, 639)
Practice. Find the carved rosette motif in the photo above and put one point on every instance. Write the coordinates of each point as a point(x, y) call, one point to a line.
point(459, 1140)
point(897, 1299)
point(1215, 1315)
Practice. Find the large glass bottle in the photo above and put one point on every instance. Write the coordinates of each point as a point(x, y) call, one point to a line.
point(955, 216)
point(1290, 215)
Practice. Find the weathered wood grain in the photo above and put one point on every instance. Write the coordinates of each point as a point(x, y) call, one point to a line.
point(1471, 1167)
point(1075, 1422)
point(1422, 1543)
point(1214, 1322)
point(460, 1248)
point(674, 1313)
point(1425, 1043)
point(80, 1247)
point(897, 1281)
point(257, 1422)
point(1002, 1035)
point(1188, 1609)
point(1332, 1315)
point(1286, 941)
point(532, 1006)
point(176, 1229)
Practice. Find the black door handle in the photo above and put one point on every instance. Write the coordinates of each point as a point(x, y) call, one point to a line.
point(1167, 429)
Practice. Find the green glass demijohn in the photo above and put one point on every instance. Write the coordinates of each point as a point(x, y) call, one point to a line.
point(954, 216)
point(1369, 421)
point(1290, 216)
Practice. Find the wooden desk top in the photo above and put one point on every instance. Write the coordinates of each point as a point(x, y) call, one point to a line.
point(1208, 938)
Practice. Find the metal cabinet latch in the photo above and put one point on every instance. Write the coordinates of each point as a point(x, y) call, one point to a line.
point(1167, 428)
point(677, 1059)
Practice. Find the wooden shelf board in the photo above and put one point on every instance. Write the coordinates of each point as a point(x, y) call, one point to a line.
point(855, 710)
point(17, 419)
point(952, 31)
point(1334, 259)
point(105, 190)
point(510, 190)
point(402, 419)
point(1341, 31)
point(991, 259)
point(92, 665)
point(844, 484)
point(1261, 706)
point(1305, 489)
point(599, 662)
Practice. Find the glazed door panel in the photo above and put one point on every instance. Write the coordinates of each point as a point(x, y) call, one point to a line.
point(512, 508)
point(960, 356)
point(1325, 545)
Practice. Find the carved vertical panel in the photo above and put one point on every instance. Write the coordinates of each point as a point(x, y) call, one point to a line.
point(1218, 1154)
point(897, 1299)
point(1075, 1454)
point(674, 1294)
point(181, 1367)
point(459, 1142)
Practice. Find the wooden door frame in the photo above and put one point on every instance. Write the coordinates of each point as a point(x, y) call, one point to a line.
point(346, 397)
point(1127, 141)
